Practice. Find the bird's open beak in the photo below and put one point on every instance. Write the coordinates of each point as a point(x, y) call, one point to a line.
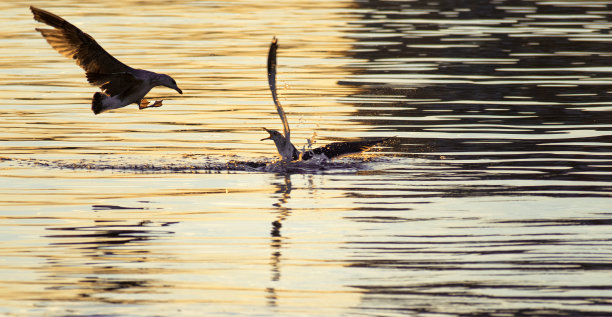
point(179, 90)
point(269, 137)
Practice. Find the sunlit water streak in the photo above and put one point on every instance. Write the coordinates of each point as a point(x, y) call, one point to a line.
point(495, 199)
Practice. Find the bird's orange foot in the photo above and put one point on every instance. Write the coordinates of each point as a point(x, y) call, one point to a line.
point(157, 103)
point(144, 103)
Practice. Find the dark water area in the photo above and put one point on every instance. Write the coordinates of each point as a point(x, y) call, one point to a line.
point(492, 200)
point(521, 87)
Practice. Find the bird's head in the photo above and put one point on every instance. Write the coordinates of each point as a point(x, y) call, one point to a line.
point(286, 150)
point(274, 135)
point(167, 81)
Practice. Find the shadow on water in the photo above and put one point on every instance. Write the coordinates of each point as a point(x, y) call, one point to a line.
point(105, 261)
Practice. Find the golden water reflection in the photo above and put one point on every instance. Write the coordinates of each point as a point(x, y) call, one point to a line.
point(137, 252)
point(217, 57)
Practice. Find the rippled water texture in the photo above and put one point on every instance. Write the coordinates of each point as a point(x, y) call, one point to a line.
point(494, 199)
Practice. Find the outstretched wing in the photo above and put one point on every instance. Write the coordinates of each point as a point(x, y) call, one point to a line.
point(73, 43)
point(272, 84)
point(337, 149)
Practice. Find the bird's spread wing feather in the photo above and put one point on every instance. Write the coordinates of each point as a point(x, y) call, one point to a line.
point(272, 84)
point(73, 43)
point(338, 149)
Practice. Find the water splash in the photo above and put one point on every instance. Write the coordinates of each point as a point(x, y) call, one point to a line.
point(192, 164)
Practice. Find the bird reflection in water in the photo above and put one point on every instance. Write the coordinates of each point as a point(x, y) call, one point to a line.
point(277, 240)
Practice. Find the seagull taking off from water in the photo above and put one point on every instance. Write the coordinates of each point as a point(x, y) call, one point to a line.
point(121, 84)
point(285, 148)
point(327, 152)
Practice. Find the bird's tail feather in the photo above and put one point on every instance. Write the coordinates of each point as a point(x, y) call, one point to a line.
point(97, 102)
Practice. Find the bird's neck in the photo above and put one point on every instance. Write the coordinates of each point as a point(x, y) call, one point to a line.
point(156, 79)
point(286, 149)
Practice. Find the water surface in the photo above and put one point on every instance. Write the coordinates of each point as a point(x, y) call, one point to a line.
point(494, 199)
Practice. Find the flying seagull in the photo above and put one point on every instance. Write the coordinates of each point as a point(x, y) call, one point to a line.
point(286, 149)
point(121, 85)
